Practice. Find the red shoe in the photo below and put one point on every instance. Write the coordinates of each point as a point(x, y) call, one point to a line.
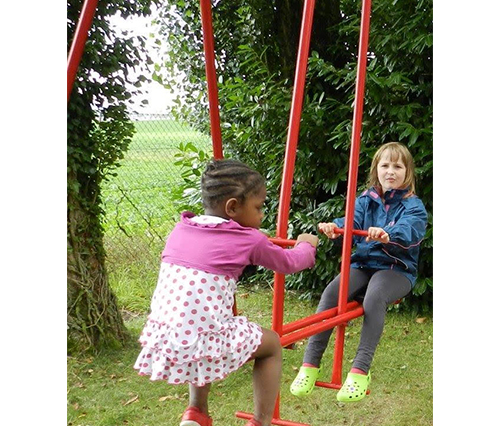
point(253, 422)
point(194, 417)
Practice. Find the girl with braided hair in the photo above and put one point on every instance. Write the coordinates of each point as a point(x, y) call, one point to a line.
point(191, 335)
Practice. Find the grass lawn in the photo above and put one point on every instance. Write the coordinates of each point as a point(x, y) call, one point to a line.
point(106, 391)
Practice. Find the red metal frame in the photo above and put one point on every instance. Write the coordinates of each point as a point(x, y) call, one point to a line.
point(351, 188)
point(283, 242)
point(339, 316)
point(336, 317)
point(213, 96)
point(79, 39)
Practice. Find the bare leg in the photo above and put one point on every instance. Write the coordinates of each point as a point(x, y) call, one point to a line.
point(198, 397)
point(266, 376)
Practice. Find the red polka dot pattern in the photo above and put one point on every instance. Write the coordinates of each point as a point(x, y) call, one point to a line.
point(191, 335)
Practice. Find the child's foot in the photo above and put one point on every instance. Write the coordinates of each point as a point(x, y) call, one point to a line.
point(304, 382)
point(193, 416)
point(354, 387)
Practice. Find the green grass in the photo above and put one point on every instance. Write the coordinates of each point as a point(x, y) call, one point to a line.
point(133, 278)
point(106, 391)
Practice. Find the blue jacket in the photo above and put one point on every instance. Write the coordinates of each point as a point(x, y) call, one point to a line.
point(404, 219)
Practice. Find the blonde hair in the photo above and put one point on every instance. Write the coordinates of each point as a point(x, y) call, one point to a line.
point(397, 151)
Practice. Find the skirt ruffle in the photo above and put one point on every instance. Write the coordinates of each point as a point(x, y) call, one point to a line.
point(203, 357)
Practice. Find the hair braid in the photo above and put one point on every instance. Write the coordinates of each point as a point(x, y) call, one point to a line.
point(228, 178)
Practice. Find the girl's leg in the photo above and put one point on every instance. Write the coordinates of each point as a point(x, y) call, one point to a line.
point(384, 288)
point(358, 279)
point(198, 397)
point(266, 376)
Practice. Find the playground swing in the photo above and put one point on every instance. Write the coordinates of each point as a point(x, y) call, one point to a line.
point(339, 316)
point(344, 312)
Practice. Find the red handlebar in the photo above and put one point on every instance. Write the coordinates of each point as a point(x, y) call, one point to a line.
point(359, 232)
point(283, 242)
point(290, 243)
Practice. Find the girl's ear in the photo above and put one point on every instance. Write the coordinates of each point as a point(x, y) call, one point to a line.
point(231, 207)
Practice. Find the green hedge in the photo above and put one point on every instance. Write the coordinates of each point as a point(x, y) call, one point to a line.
point(255, 98)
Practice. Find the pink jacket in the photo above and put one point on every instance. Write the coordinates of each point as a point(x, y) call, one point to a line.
point(227, 248)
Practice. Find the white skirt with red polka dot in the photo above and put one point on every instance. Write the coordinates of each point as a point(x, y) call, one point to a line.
point(191, 335)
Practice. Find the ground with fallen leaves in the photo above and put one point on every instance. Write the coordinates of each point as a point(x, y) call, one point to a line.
point(106, 391)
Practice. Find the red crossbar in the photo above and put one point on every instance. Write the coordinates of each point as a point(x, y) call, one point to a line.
point(360, 232)
point(315, 318)
point(283, 242)
point(337, 320)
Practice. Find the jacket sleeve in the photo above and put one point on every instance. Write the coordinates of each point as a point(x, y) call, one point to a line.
point(285, 261)
point(409, 230)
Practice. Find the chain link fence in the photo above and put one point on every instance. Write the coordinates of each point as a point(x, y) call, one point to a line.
point(138, 205)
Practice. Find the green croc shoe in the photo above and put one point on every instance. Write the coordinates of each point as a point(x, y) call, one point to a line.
point(354, 387)
point(304, 382)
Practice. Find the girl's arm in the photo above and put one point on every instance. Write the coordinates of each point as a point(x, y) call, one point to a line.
point(409, 230)
point(285, 261)
point(359, 214)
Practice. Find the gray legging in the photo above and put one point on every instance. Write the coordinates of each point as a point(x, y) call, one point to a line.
point(383, 287)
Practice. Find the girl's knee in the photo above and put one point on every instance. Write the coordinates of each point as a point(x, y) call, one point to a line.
point(270, 344)
point(372, 301)
point(275, 341)
point(374, 304)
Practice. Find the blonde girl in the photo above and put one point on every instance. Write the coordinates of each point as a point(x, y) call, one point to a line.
point(383, 267)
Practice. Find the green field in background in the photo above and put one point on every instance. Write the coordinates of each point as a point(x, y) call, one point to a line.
point(138, 199)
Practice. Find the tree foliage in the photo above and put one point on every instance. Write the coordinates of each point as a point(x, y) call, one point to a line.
point(256, 43)
point(98, 133)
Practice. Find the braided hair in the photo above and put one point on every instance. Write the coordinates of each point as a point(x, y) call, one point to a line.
point(228, 178)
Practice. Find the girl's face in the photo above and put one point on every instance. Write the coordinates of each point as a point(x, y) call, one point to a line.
point(249, 214)
point(391, 174)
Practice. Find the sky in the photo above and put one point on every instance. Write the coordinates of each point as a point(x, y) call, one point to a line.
point(159, 98)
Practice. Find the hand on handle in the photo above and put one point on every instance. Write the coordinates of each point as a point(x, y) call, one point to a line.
point(309, 238)
point(377, 234)
point(328, 229)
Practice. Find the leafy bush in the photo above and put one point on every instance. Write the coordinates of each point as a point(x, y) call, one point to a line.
point(255, 95)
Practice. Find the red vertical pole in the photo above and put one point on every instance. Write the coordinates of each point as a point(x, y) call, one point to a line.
point(213, 96)
point(290, 154)
point(79, 39)
point(287, 180)
point(295, 114)
point(351, 186)
point(289, 166)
